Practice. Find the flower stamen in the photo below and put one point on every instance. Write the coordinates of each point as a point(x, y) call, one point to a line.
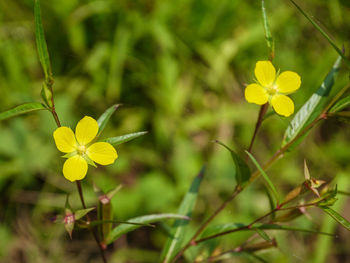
point(81, 149)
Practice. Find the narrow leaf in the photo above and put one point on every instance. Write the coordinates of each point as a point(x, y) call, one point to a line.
point(242, 169)
point(330, 41)
point(268, 36)
point(104, 118)
point(313, 107)
point(41, 42)
point(263, 234)
point(22, 109)
point(173, 244)
point(125, 228)
point(80, 213)
point(124, 138)
point(267, 179)
point(341, 104)
point(337, 217)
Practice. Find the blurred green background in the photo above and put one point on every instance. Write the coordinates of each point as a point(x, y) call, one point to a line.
point(179, 68)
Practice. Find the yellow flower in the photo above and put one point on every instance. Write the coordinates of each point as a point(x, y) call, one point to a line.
point(271, 89)
point(80, 149)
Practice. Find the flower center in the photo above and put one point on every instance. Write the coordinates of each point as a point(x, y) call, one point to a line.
point(272, 89)
point(81, 149)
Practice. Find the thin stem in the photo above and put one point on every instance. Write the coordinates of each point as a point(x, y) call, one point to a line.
point(80, 190)
point(247, 227)
point(259, 121)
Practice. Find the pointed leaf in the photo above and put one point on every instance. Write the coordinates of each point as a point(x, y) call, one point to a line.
point(112, 193)
point(124, 138)
point(313, 107)
point(269, 40)
point(330, 41)
point(173, 244)
point(262, 233)
point(41, 42)
point(267, 179)
point(337, 217)
point(125, 228)
point(22, 109)
point(104, 118)
point(80, 213)
point(341, 104)
point(242, 169)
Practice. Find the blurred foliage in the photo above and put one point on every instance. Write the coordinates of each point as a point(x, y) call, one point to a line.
point(179, 69)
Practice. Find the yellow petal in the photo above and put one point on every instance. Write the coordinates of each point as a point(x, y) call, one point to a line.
point(75, 168)
point(265, 73)
point(102, 153)
point(288, 82)
point(64, 139)
point(86, 130)
point(254, 93)
point(282, 104)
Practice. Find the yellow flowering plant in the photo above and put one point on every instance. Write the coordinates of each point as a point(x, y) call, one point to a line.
point(81, 149)
point(273, 88)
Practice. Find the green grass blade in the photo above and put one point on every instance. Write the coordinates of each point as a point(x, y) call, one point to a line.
point(330, 41)
point(268, 36)
point(41, 42)
point(173, 244)
point(104, 118)
point(337, 217)
point(267, 179)
point(124, 138)
point(313, 107)
point(22, 109)
point(125, 228)
point(242, 169)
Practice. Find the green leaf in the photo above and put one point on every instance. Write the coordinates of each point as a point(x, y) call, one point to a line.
point(267, 179)
point(173, 244)
point(80, 213)
point(330, 41)
point(242, 169)
point(104, 118)
point(269, 40)
point(223, 228)
point(22, 109)
point(41, 42)
point(262, 233)
point(125, 228)
point(124, 138)
point(313, 107)
point(341, 104)
point(337, 217)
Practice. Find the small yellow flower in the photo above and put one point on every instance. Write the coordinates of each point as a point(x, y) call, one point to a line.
point(272, 89)
point(80, 149)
